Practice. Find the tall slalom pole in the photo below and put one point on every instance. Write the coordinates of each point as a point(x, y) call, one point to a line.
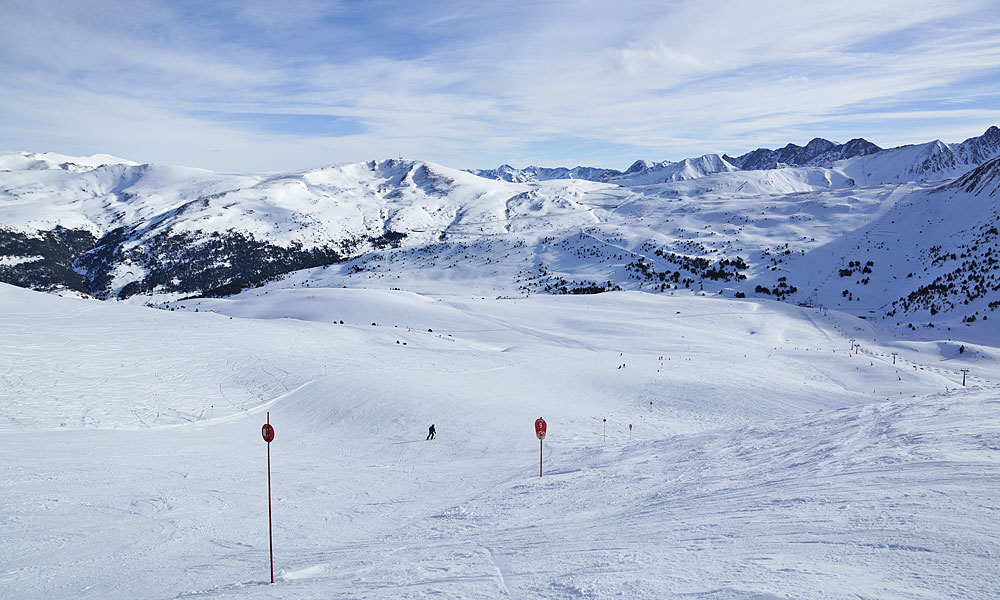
point(270, 526)
point(268, 432)
point(540, 427)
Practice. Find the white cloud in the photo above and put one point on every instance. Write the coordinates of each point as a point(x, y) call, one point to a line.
point(473, 85)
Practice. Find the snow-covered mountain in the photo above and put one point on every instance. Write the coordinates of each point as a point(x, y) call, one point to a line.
point(863, 160)
point(930, 161)
point(984, 180)
point(116, 229)
point(817, 153)
point(533, 174)
point(642, 172)
point(144, 228)
point(666, 171)
point(869, 164)
point(22, 161)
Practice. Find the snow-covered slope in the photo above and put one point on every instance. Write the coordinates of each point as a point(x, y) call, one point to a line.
point(983, 181)
point(868, 164)
point(353, 199)
point(533, 174)
point(144, 218)
point(764, 460)
point(931, 161)
point(20, 161)
point(665, 172)
point(103, 197)
point(789, 234)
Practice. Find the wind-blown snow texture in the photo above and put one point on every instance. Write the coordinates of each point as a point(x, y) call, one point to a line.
point(765, 459)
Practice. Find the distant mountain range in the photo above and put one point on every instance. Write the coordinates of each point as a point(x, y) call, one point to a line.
point(817, 153)
point(932, 160)
point(531, 174)
point(802, 229)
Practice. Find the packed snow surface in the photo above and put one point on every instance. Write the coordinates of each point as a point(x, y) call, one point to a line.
point(764, 459)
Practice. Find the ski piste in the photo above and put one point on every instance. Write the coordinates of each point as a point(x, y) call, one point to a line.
point(769, 455)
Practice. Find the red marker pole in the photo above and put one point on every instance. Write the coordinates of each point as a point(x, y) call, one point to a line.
point(540, 427)
point(630, 432)
point(605, 430)
point(268, 432)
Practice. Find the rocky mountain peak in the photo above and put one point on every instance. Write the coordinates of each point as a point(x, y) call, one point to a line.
point(984, 179)
point(637, 166)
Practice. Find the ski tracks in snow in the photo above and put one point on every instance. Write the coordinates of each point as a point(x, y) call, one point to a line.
point(496, 565)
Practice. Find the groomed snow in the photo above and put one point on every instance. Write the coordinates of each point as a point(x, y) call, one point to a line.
point(772, 463)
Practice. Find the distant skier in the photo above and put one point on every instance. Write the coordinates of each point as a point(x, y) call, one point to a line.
point(430, 432)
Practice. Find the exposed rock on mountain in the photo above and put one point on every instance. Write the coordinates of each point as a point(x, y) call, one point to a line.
point(983, 180)
point(818, 152)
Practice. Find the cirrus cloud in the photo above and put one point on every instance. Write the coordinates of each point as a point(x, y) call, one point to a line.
point(252, 86)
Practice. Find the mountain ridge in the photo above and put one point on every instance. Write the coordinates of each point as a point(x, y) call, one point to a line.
point(940, 160)
point(799, 234)
point(818, 152)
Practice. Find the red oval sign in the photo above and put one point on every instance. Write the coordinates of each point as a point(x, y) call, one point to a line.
point(540, 428)
point(268, 432)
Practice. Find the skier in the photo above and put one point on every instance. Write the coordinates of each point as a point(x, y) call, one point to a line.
point(430, 432)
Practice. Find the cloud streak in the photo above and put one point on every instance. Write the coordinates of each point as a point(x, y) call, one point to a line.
point(248, 86)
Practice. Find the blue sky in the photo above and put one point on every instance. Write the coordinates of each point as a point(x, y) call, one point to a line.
point(267, 86)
